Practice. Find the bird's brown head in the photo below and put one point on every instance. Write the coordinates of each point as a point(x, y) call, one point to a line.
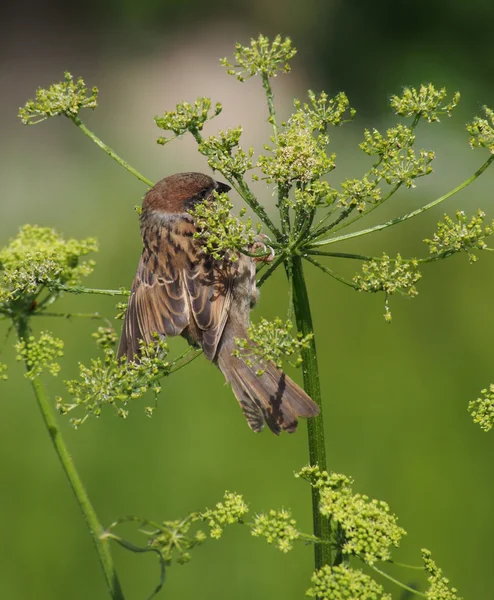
point(180, 192)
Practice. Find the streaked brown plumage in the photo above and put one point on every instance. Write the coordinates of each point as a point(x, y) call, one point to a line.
point(178, 290)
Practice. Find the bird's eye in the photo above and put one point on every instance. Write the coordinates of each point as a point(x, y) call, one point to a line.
point(199, 197)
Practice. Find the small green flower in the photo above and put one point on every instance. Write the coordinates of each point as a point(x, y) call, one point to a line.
point(438, 584)
point(482, 131)
point(315, 194)
point(219, 152)
point(105, 337)
point(187, 117)
point(322, 111)
point(40, 355)
point(173, 540)
point(426, 102)
point(116, 382)
point(38, 258)
point(121, 310)
point(389, 276)
point(389, 146)
point(271, 341)
point(221, 233)
point(482, 409)
point(3, 372)
point(231, 510)
point(366, 528)
point(461, 235)
point(343, 583)
point(362, 527)
point(277, 527)
point(262, 57)
point(357, 192)
point(64, 98)
point(322, 479)
point(299, 156)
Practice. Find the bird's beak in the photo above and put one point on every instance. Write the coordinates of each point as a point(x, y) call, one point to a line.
point(222, 188)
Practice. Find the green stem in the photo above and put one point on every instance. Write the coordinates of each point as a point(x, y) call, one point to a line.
point(243, 190)
point(266, 84)
point(414, 213)
point(317, 446)
point(337, 225)
point(109, 151)
point(397, 582)
point(282, 193)
point(272, 268)
point(68, 466)
point(331, 273)
point(80, 289)
point(425, 259)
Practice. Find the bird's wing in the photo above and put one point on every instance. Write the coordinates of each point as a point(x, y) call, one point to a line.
point(209, 284)
point(177, 286)
point(158, 302)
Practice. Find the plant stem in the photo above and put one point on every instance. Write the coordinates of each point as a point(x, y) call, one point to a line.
point(315, 426)
point(331, 273)
point(109, 151)
point(414, 213)
point(68, 466)
point(397, 582)
point(282, 193)
point(80, 289)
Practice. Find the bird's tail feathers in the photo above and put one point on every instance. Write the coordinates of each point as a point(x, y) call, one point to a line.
point(272, 397)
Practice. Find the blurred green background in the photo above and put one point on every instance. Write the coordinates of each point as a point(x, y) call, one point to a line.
point(395, 396)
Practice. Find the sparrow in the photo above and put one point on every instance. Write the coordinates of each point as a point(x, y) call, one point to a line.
point(180, 290)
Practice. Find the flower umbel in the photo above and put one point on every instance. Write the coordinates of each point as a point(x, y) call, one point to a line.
point(38, 258)
point(366, 526)
point(116, 382)
point(277, 527)
point(187, 117)
point(389, 276)
point(343, 583)
point(482, 409)
point(40, 355)
point(262, 57)
point(426, 102)
point(230, 511)
point(482, 131)
point(219, 152)
point(438, 584)
point(463, 234)
point(271, 341)
point(362, 527)
point(64, 98)
point(222, 234)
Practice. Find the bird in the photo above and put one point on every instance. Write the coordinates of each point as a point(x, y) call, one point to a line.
point(179, 289)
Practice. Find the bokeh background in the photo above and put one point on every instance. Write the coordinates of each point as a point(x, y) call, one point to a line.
point(395, 396)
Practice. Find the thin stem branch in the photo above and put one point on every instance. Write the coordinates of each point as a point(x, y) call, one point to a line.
point(266, 84)
point(423, 260)
point(337, 225)
point(397, 582)
point(272, 268)
point(414, 213)
point(317, 444)
point(77, 121)
point(80, 289)
point(68, 466)
point(331, 273)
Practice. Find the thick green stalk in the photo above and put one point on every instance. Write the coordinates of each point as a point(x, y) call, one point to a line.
point(317, 445)
point(95, 528)
point(109, 151)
